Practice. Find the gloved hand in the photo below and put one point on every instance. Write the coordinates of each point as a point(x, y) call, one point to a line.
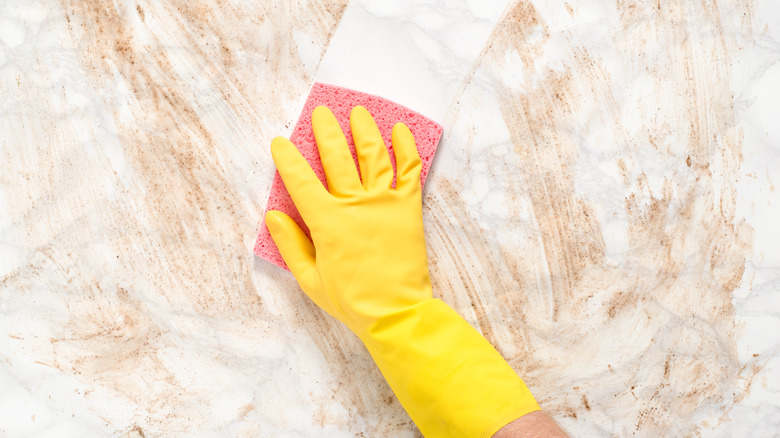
point(368, 267)
point(370, 258)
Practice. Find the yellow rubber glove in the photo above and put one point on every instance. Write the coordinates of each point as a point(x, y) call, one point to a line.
point(368, 267)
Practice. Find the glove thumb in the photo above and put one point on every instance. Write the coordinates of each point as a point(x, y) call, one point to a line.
point(297, 251)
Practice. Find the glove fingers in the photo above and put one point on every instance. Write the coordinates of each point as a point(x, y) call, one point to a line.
point(375, 166)
point(301, 182)
point(334, 153)
point(296, 249)
point(407, 158)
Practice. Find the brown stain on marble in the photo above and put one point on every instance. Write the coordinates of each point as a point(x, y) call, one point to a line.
point(468, 270)
point(178, 233)
point(135, 432)
point(653, 334)
point(567, 226)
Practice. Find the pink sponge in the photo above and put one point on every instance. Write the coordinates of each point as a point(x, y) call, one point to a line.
point(341, 101)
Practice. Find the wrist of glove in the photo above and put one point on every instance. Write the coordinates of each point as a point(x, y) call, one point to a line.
point(366, 264)
point(449, 379)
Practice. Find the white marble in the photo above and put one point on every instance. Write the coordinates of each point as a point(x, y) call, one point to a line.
point(415, 52)
point(607, 171)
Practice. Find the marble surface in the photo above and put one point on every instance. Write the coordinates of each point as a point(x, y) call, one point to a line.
point(602, 208)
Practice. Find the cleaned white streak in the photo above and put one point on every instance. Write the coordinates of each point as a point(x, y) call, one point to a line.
point(415, 53)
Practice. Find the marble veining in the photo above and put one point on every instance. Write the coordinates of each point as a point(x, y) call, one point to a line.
point(602, 208)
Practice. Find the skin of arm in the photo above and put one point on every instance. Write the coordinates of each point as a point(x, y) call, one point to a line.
point(533, 425)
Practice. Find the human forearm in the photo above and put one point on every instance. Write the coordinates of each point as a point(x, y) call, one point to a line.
point(533, 425)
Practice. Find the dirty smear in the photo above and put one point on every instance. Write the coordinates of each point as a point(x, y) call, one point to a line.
point(140, 245)
point(637, 342)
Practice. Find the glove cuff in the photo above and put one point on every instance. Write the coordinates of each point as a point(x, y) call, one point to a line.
point(449, 379)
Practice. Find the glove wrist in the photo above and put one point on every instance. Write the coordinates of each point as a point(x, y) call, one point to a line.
point(449, 379)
